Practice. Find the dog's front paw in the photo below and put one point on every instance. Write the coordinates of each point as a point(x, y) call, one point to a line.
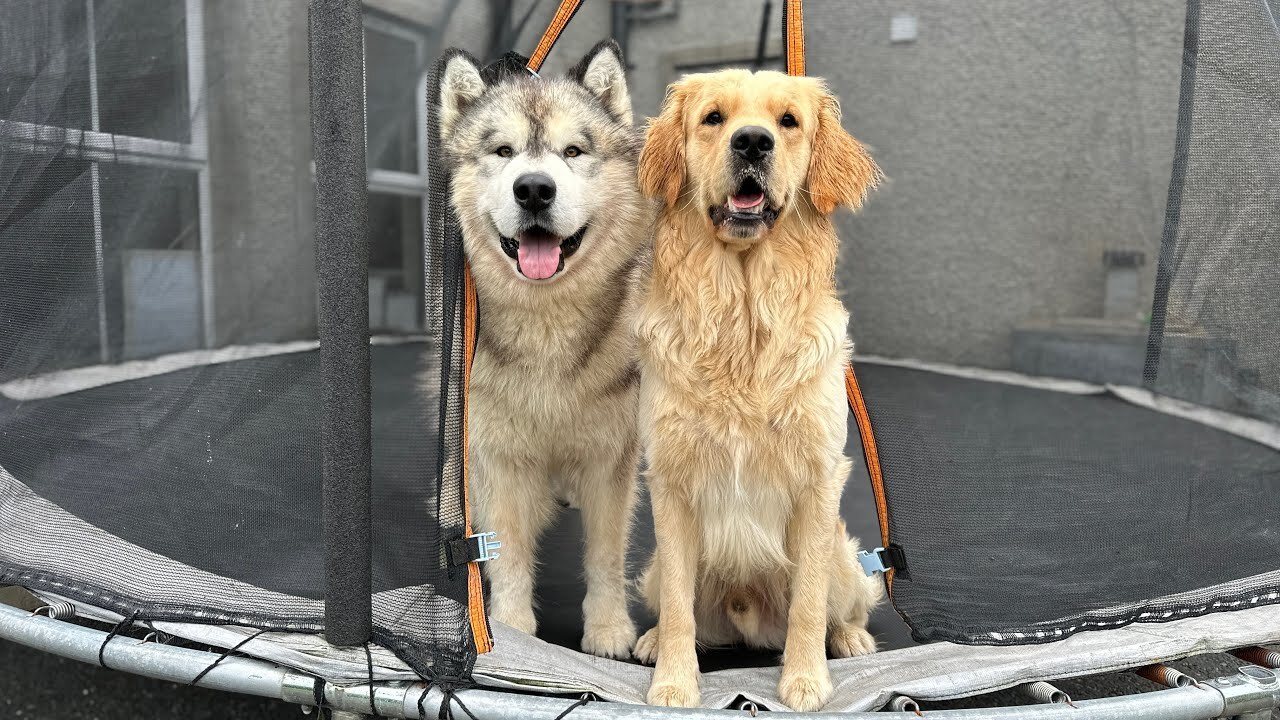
point(805, 691)
point(850, 640)
point(647, 647)
point(611, 640)
point(669, 694)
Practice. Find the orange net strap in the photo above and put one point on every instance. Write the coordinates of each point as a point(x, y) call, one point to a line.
point(559, 21)
point(793, 35)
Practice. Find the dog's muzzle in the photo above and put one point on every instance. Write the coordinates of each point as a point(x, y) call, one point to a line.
point(539, 253)
point(746, 208)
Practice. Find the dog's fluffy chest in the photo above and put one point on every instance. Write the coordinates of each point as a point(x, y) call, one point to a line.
point(753, 361)
point(556, 379)
point(743, 518)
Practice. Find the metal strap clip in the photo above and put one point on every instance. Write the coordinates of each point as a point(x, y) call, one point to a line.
point(872, 561)
point(884, 559)
point(489, 545)
point(474, 548)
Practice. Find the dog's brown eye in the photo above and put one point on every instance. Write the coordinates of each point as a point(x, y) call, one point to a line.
point(572, 151)
point(505, 151)
point(713, 118)
point(789, 121)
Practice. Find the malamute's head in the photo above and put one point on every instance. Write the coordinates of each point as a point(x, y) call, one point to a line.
point(540, 166)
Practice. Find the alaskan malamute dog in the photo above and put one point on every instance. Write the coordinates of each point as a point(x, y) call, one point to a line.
point(557, 235)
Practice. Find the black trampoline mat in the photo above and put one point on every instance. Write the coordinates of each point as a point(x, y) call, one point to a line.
point(217, 467)
point(1017, 505)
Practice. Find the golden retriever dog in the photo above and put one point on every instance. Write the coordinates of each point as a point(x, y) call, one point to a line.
point(743, 343)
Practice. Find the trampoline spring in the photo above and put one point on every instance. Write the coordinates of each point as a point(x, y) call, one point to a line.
point(902, 703)
point(1258, 656)
point(1044, 692)
point(61, 610)
point(748, 706)
point(1165, 675)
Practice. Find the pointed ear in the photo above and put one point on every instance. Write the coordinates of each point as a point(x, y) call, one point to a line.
point(461, 84)
point(603, 72)
point(662, 167)
point(841, 171)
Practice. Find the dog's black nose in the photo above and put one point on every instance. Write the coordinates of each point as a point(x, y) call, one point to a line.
point(535, 191)
point(751, 142)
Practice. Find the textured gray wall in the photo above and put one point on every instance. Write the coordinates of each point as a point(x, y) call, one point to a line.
point(259, 170)
point(260, 158)
point(1021, 139)
point(710, 30)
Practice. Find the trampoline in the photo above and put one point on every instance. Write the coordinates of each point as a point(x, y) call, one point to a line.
point(232, 411)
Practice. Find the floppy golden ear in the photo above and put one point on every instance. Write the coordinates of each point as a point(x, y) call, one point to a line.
point(662, 158)
point(841, 171)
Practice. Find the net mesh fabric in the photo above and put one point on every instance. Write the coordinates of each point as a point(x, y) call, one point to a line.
point(1216, 305)
point(155, 202)
point(159, 381)
point(1025, 513)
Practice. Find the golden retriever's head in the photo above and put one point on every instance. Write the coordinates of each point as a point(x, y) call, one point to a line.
point(748, 149)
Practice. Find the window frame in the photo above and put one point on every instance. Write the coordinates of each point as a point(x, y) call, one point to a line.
point(98, 147)
point(398, 182)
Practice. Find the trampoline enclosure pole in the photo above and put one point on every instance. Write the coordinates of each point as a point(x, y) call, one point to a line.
point(342, 266)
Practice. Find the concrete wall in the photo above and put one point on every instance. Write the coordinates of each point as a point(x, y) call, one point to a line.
point(262, 192)
point(680, 33)
point(259, 168)
point(1021, 138)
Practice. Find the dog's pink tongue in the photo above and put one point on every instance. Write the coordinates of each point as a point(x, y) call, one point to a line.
point(539, 257)
point(743, 202)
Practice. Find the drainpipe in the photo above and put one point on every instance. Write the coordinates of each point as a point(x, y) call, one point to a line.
point(620, 27)
point(624, 13)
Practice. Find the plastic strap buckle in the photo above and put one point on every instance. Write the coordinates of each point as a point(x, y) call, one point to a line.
point(882, 560)
point(473, 548)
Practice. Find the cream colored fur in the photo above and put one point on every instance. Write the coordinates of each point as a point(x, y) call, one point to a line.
point(742, 403)
point(553, 397)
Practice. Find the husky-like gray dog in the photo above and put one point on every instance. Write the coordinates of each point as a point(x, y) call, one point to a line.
point(558, 237)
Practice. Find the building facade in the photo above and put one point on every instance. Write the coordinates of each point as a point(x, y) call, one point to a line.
point(1027, 148)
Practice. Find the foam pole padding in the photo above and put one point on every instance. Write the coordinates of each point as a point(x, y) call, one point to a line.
point(342, 267)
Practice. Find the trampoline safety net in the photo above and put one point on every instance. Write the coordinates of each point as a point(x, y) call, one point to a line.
point(160, 410)
point(1144, 489)
point(1063, 302)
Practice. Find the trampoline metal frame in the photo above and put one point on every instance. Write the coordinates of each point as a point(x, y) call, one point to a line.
point(1246, 696)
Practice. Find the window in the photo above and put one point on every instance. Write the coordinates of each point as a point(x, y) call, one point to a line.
point(101, 119)
point(395, 105)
